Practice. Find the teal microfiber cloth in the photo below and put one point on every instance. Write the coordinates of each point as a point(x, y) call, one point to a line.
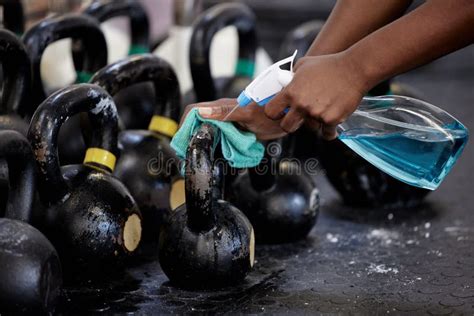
point(241, 149)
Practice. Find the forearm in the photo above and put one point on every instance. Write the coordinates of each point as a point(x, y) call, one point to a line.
point(436, 28)
point(352, 20)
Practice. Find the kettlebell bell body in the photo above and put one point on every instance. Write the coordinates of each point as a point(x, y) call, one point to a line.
point(280, 200)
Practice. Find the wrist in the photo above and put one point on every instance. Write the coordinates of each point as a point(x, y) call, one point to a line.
point(362, 64)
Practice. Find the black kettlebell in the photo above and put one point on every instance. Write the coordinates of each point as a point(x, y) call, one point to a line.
point(148, 165)
point(14, 106)
point(135, 103)
point(278, 196)
point(90, 215)
point(207, 88)
point(13, 16)
point(104, 10)
point(207, 241)
point(31, 275)
point(300, 38)
point(38, 38)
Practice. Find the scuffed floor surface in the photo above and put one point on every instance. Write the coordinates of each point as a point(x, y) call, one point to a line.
point(401, 261)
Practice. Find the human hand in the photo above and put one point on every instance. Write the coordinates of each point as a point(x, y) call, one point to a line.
point(324, 91)
point(251, 117)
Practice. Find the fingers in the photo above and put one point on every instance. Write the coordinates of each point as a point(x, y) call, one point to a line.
point(292, 120)
point(212, 110)
point(216, 112)
point(275, 108)
point(313, 124)
point(329, 132)
point(222, 109)
point(186, 111)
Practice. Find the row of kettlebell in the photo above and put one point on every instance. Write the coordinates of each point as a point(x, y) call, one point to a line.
point(289, 201)
point(357, 181)
point(88, 214)
point(205, 30)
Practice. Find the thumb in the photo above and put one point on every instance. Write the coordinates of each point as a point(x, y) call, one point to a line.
point(275, 109)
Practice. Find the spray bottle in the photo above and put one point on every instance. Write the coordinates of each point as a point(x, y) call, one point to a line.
point(407, 138)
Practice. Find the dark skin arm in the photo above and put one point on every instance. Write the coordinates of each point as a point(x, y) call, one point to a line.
point(329, 88)
point(326, 89)
point(352, 20)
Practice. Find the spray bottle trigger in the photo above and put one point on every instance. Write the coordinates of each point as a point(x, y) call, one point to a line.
point(284, 77)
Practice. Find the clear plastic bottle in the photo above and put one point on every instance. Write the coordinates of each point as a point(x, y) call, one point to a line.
point(408, 139)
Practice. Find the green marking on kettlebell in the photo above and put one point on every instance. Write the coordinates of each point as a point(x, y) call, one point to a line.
point(83, 76)
point(137, 49)
point(245, 67)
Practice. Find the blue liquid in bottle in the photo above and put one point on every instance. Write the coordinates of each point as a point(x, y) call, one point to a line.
point(409, 143)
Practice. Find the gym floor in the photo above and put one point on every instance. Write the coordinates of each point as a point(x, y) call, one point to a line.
point(354, 261)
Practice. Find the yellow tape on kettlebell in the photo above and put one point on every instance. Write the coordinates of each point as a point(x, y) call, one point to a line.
point(163, 125)
point(100, 156)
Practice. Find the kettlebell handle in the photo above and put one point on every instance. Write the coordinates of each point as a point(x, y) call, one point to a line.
point(75, 26)
point(143, 68)
point(204, 29)
point(16, 75)
point(104, 10)
point(300, 39)
point(16, 150)
point(13, 16)
point(199, 180)
point(51, 115)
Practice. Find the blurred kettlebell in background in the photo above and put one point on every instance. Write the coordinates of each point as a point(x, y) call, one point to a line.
point(205, 27)
point(15, 107)
point(13, 16)
point(31, 276)
point(37, 39)
point(278, 196)
point(134, 103)
point(148, 166)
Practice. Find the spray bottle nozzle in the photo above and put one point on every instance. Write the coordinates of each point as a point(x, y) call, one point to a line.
point(271, 81)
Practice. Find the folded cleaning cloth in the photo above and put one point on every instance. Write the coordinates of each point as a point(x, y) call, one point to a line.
point(241, 149)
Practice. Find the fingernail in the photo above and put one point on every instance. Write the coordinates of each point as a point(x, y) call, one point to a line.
point(205, 111)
